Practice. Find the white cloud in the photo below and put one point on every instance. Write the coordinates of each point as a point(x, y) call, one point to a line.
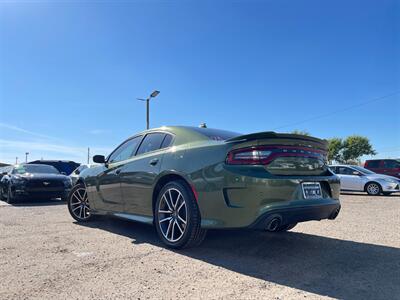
point(99, 131)
point(10, 148)
point(43, 146)
point(22, 130)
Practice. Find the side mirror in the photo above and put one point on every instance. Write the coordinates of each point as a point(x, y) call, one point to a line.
point(77, 172)
point(100, 159)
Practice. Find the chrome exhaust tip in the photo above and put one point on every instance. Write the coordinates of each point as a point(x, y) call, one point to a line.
point(334, 214)
point(273, 223)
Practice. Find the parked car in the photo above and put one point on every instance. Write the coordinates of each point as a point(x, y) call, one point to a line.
point(34, 181)
point(389, 167)
point(185, 180)
point(359, 179)
point(75, 174)
point(4, 171)
point(65, 167)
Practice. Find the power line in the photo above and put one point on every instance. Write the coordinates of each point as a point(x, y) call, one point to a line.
point(340, 110)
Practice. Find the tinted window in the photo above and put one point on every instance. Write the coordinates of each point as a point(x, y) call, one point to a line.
point(35, 169)
point(126, 150)
point(373, 164)
point(216, 134)
point(344, 171)
point(391, 164)
point(151, 142)
point(167, 141)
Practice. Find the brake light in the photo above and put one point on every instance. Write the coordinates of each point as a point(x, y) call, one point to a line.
point(249, 156)
point(263, 155)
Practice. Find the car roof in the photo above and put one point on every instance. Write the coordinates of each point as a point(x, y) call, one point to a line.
point(344, 166)
point(183, 134)
point(382, 159)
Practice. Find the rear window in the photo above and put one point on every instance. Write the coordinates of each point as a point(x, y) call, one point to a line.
point(216, 134)
point(373, 163)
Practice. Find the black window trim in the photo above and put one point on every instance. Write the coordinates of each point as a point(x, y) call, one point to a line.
point(159, 149)
point(124, 142)
point(140, 143)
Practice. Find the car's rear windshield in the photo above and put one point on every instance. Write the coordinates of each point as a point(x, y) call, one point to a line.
point(216, 134)
point(36, 169)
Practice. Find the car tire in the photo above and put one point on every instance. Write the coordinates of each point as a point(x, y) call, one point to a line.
point(10, 196)
point(286, 227)
point(373, 188)
point(1, 194)
point(78, 204)
point(177, 216)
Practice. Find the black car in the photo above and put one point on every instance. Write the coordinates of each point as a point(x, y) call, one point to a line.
point(34, 181)
point(65, 167)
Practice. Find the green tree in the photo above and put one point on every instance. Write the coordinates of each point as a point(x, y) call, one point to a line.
point(301, 132)
point(354, 147)
point(335, 147)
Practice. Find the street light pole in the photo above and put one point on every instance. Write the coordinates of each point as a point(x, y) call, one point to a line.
point(152, 95)
point(26, 156)
point(147, 113)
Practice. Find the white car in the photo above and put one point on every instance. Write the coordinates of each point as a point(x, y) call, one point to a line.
point(75, 174)
point(358, 179)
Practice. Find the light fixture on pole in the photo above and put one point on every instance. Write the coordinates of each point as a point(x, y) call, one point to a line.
point(152, 95)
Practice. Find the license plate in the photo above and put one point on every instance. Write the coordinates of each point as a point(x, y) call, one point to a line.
point(311, 190)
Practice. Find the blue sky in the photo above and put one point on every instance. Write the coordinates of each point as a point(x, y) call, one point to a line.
point(70, 71)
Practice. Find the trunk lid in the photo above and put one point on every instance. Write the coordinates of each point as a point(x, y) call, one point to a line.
point(280, 153)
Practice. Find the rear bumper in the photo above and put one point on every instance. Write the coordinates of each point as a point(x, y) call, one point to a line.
point(298, 214)
point(247, 197)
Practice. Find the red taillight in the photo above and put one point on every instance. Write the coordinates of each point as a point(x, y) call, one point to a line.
point(248, 156)
point(263, 155)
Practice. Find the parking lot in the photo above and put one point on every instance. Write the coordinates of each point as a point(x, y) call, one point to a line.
point(46, 255)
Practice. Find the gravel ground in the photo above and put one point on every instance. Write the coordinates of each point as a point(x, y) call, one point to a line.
point(44, 254)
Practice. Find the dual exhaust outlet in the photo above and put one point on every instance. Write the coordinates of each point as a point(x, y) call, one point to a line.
point(273, 223)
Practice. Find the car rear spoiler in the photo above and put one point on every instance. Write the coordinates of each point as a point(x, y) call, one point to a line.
point(322, 144)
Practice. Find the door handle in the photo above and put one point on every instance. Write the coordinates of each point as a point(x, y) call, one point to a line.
point(154, 161)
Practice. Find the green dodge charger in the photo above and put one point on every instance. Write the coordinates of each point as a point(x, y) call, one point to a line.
point(185, 180)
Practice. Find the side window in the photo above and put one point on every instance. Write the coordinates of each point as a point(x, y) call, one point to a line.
point(390, 164)
point(373, 164)
point(126, 150)
point(334, 170)
point(345, 171)
point(151, 142)
point(167, 141)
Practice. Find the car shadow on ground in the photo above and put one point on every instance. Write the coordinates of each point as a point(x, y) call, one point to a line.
point(316, 264)
point(35, 202)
